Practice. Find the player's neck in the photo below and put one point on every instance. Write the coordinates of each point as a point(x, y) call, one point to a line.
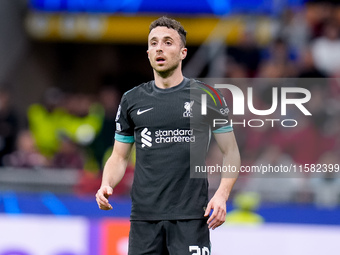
point(168, 81)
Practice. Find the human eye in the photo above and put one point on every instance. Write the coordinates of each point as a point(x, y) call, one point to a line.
point(153, 43)
point(168, 42)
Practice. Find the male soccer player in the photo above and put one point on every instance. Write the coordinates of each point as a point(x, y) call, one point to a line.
point(171, 130)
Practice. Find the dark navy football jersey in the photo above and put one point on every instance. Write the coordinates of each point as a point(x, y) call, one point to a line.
point(171, 131)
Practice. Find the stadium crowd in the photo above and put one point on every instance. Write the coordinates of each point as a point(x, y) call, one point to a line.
point(75, 130)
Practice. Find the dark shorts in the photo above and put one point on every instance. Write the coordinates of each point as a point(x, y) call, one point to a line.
point(172, 237)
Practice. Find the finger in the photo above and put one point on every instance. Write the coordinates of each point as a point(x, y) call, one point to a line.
point(213, 216)
point(220, 219)
point(214, 223)
point(108, 190)
point(224, 214)
point(104, 204)
point(104, 207)
point(207, 211)
point(218, 222)
point(101, 198)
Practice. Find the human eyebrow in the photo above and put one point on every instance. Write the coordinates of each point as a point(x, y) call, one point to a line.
point(153, 39)
point(168, 38)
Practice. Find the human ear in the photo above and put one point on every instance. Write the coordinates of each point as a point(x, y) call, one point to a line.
point(184, 53)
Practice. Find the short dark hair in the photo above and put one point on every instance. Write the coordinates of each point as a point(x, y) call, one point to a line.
point(170, 23)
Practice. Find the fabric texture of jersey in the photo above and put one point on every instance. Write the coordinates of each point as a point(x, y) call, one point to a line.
point(171, 136)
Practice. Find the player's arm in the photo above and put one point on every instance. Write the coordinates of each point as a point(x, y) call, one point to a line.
point(114, 171)
point(231, 157)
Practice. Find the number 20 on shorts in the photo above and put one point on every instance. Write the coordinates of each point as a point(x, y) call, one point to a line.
point(198, 250)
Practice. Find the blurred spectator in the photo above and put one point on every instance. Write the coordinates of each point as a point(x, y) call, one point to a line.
point(272, 69)
point(257, 140)
point(246, 53)
point(26, 153)
point(331, 134)
point(326, 185)
point(8, 125)
point(75, 116)
point(109, 98)
point(307, 68)
point(278, 60)
point(81, 123)
point(302, 142)
point(334, 87)
point(244, 213)
point(77, 104)
point(68, 156)
point(326, 49)
point(235, 70)
point(279, 51)
point(317, 12)
point(295, 29)
point(276, 186)
point(88, 183)
point(82, 118)
point(337, 14)
point(318, 107)
point(43, 121)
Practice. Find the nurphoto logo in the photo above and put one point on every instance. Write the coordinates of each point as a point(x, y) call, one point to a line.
point(239, 105)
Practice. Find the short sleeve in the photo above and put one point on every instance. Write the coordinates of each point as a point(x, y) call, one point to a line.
point(217, 114)
point(124, 124)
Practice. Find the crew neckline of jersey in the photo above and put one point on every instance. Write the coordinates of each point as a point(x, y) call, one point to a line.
point(172, 89)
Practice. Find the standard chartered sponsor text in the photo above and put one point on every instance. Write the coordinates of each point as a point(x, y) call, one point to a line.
point(176, 135)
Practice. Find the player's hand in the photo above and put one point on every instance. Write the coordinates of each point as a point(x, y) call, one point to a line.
point(102, 197)
point(219, 207)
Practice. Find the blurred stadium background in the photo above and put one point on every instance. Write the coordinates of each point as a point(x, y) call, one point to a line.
point(63, 67)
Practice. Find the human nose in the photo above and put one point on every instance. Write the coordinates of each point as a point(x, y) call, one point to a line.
point(159, 47)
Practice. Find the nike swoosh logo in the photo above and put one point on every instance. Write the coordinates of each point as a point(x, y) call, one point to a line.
point(139, 112)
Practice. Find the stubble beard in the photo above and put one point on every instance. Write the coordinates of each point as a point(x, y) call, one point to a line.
point(168, 72)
